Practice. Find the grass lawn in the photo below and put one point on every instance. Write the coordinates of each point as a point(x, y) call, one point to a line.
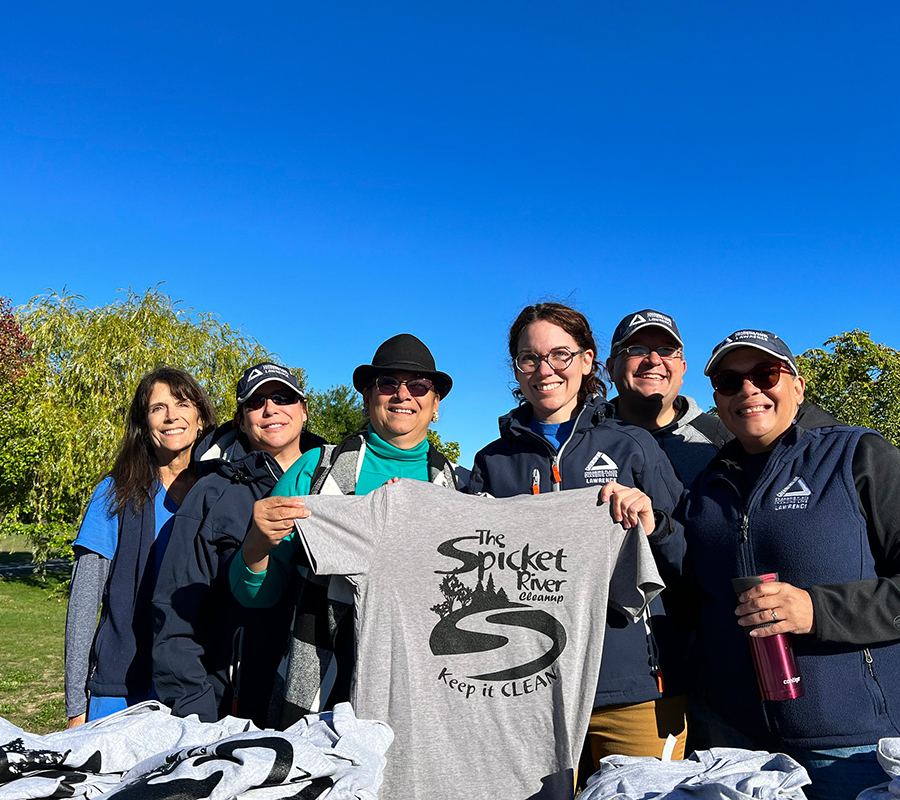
point(32, 627)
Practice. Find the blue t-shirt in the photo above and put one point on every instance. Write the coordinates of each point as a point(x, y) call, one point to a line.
point(557, 433)
point(99, 531)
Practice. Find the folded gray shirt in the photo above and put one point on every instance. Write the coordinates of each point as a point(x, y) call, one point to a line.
point(722, 773)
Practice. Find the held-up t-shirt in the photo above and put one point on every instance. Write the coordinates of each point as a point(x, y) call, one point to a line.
point(480, 626)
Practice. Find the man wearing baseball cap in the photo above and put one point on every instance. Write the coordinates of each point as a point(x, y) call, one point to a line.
point(647, 365)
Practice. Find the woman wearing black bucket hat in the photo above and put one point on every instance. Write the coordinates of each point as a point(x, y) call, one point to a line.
point(402, 391)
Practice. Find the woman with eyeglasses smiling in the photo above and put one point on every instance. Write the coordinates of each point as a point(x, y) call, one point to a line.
point(211, 656)
point(563, 435)
point(402, 391)
point(819, 507)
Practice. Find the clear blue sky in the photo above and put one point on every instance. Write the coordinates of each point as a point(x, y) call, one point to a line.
point(325, 175)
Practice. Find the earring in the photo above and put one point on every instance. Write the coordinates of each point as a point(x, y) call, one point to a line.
point(435, 417)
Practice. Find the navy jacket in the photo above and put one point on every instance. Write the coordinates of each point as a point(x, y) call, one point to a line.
point(600, 449)
point(202, 636)
point(816, 517)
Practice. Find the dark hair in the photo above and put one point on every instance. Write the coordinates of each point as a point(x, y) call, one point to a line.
point(572, 322)
point(136, 470)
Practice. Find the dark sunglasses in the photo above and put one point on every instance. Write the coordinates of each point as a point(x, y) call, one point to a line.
point(765, 376)
point(257, 401)
point(417, 387)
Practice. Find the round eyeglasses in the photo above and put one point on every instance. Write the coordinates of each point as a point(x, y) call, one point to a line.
point(558, 359)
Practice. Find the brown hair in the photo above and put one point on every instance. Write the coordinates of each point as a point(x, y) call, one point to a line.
point(572, 322)
point(136, 470)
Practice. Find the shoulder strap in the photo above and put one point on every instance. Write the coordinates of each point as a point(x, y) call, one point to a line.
point(346, 454)
point(440, 470)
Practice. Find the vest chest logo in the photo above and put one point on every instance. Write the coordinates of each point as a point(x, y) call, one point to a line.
point(601, 469)
point(794, 496)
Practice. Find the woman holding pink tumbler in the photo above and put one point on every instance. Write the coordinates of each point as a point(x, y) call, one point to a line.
point(808, 522)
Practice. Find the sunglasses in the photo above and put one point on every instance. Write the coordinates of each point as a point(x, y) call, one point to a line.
point(257, 401)
point(417, 387)
point(765, 376)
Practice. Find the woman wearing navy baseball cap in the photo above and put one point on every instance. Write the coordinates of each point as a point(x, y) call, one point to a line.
point(819, 508)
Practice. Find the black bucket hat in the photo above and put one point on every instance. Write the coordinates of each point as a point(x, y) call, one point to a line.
point(402, 352)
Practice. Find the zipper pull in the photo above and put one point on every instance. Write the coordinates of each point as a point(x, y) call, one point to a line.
point(556, 475)
point(868, 657)
point(745, 528)
point(536, 482)
point(657, 673)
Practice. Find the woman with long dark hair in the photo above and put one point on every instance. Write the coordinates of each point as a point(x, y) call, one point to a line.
point(121, 541)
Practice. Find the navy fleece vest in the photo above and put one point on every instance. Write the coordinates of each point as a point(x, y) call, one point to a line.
point(801, 519)
point(121, 653)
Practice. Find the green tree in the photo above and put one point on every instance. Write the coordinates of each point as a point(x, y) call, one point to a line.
point(20, 439)
point(856, 380)
point(335, 413)
point(86, 365)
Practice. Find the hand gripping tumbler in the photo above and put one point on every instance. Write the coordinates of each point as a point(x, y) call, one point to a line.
point(777, 672)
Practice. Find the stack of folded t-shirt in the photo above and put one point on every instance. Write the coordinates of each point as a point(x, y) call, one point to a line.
point(722, 773)
point(145, 752)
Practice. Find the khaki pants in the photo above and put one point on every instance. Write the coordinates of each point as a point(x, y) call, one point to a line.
point(640, 729)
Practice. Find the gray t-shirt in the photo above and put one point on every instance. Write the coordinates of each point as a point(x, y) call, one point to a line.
point(480, 626)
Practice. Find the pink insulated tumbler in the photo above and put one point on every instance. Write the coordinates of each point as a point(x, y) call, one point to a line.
point(777, 672)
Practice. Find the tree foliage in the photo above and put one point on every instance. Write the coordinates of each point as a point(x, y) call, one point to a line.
point(86, 362)
point(67, 377)
point(857, 381)
point(335, 413)
point(20, 441)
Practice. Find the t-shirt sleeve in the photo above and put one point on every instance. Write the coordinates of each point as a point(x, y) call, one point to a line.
point(99, 531)
point(341, 534)
point(635, 579)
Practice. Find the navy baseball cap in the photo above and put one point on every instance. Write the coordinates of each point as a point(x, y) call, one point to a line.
point(766, 341)
point(648, 318)
point(259, 374)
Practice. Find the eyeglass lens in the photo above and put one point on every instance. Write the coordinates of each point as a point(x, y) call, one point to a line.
point(730, 381)
point(643, 351)
point(558, 359)
point(257, 401)
point(417, 387)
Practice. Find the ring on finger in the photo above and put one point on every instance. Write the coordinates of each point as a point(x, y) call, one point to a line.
point(774, 614)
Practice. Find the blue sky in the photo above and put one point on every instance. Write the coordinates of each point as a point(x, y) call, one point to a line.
point(325, 175)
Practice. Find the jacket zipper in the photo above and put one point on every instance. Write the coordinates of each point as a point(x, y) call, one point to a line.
point(878, 692)
point(554, 466)
point(555, 475)
point(755, 493)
